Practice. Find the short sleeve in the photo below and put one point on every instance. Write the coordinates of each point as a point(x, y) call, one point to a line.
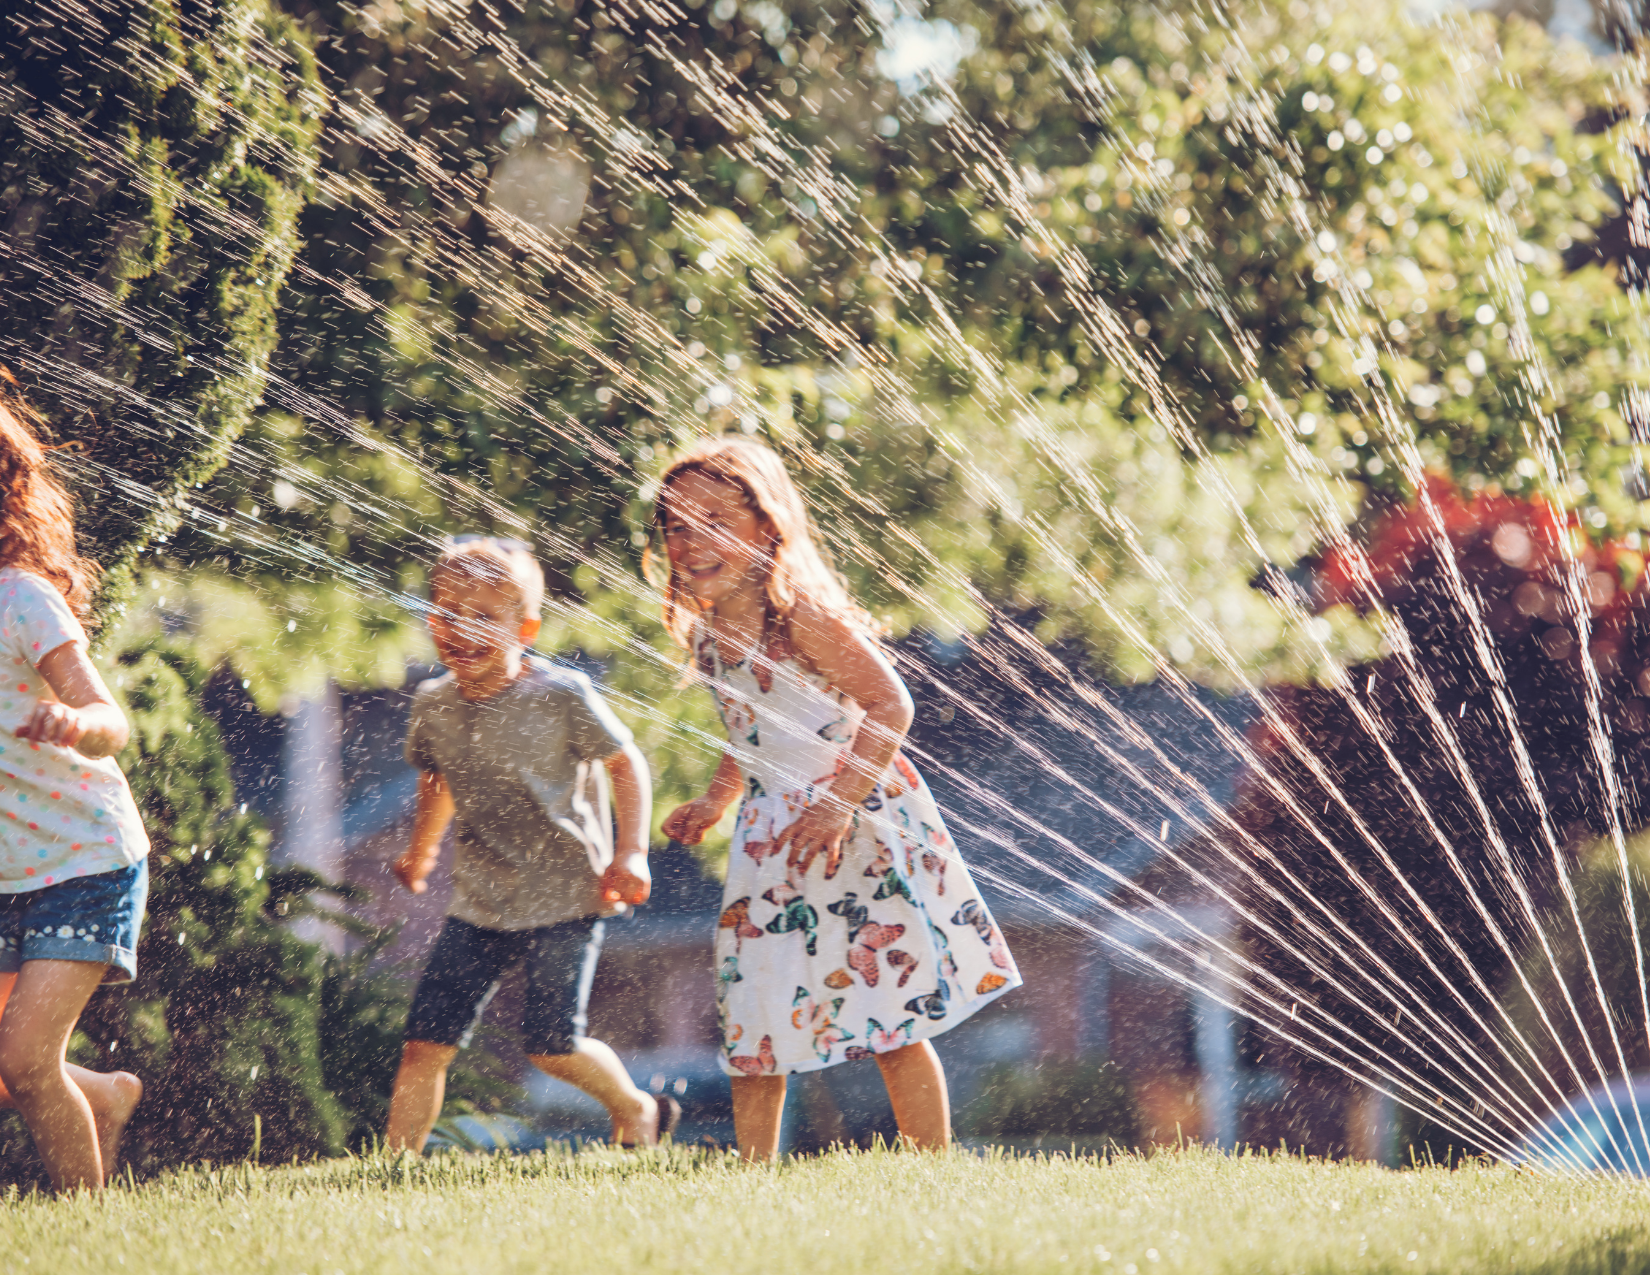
point(34, 618)
point(419, 753)
point(592, 729)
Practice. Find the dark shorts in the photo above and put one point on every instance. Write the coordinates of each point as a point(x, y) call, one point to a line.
point(467, 962)
point(93, 918)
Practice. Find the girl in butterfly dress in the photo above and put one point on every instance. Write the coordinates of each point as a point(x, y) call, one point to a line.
point(850, 928)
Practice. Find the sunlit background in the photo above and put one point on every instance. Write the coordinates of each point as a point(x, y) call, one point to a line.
point(1235, 412)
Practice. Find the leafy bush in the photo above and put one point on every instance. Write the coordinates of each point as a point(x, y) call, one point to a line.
point(1075, 1099)
point(223, 1023)
point(152, 166)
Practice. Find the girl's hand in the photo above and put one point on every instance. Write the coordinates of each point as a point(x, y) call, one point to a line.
point(53, 722)
point(821, 827)
point(412, 869)
point(689, 822)
point(627, 879)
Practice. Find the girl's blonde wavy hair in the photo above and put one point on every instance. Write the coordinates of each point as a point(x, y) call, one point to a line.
point(797, 567)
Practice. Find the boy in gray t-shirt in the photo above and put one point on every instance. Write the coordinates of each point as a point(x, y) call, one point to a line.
point(509, 743)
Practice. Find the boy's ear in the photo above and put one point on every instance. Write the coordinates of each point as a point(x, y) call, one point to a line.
point(530, 630)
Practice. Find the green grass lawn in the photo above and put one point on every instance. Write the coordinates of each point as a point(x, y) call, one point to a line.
point(865, 1213)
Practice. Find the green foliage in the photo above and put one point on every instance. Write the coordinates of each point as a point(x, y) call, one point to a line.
point(224, 1022)
point(1020, 458)
point(286, 641)
point(1053, 1099)
point(1210, 201)
point(152, 165)
point(1215, 218)
point(152, 175)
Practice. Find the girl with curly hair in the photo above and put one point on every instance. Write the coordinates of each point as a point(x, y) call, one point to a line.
point(73, 871)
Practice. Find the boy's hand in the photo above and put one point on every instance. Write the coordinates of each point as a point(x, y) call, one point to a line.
point(689, 822)
point(627, 879)
point(53, 722)
point(412, 869)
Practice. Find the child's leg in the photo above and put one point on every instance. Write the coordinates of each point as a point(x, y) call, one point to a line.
point(420, 1089)
point(561, 966)
point(593, 1067)
point(458, 981)
point(112, 1096)
point(758, 1105)
point(916, 1088)
point(40, 1015)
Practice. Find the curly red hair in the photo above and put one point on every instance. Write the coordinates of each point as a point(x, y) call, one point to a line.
point(36, 511)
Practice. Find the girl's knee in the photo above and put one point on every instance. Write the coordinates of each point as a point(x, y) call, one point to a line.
point(26, 1066)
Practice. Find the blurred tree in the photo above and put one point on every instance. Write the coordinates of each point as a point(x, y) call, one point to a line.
point(1311, 215)
point(152, 164)
point(1426, 816)
point(1053, 1101)
point(1612, 952)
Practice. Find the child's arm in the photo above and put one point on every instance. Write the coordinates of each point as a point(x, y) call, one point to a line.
point(84, 716)
point(627, 879)
point(434, 813)
point(689, 822)
point(852, 663)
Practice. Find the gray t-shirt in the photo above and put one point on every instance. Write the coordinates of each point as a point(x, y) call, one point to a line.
point(532, 835)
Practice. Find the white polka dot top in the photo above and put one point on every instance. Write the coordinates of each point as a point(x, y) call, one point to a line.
point(61, 815)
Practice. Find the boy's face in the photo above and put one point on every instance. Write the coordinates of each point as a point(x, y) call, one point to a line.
point(715, 540)
point(479, 629)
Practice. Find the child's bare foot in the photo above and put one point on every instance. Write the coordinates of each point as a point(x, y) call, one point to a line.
point(639, 1128)
point(667, 1112)
point(121, 1092)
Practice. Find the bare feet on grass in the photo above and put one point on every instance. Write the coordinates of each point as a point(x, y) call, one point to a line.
point(112, 1096)
point(122, 1092)
point(639, 1127)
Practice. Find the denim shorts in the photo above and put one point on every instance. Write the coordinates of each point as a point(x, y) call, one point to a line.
point(93, 918)
point(467, 962)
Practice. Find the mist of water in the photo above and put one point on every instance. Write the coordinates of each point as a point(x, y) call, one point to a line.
point(1466, 1064)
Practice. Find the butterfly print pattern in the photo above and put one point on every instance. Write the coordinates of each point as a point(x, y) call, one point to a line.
point(973, 913)
point(905, 963)
point(761, 1063)
point(933, 1004)
point(893, 948)
point(881, 1039)
point(737, 917)
point(820, 1020)
point(865, 937)
point(795, 913)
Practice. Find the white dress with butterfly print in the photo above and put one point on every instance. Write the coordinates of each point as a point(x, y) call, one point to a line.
point(895, 947)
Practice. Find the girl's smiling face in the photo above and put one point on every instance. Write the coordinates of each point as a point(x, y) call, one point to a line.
point(716, 542)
